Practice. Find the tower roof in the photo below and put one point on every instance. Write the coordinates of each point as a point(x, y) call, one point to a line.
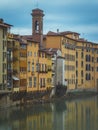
point(38, 12)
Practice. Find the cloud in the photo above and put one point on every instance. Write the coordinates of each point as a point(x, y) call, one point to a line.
point(77, 15)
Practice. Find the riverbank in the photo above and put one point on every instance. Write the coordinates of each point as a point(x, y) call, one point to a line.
point(70, 95)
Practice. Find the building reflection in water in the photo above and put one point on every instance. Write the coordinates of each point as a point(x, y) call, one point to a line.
point(61, 115)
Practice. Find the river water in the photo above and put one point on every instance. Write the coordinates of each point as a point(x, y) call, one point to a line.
point(80, 114)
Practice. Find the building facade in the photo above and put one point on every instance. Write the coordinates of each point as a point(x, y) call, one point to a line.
point(80, 58)
point(4, 29)
point(38, 62)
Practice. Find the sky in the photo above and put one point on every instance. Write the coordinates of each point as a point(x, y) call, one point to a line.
point(80, 16)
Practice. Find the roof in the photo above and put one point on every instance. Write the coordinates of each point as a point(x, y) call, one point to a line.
point(29, 38)
point(53, 33)
point(69, 32)
point(61, 33)
point(4, 24)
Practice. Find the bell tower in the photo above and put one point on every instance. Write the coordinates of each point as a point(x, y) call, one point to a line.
point(37, 25)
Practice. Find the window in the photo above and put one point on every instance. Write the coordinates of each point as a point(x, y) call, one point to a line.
point(92, 59)
point(37, 67)
point(31, 53)
point(88, 58)
point(22, 69)
point(76, 63)
point(4, 44)
point(32, 67)
point(42, 67)
point(76, 54)
point(4, 67)
point(81, 81)
point(35, 79)
point(82, 55)
point(36, 26)
point(76, 81)
point(4, 33)
point(28, 53)
point(30, 81)
point(82, 73)
point(23, 46)
point(76, 73)
point(81, 63)
point(87, 67)
point(88, 76)
point(41, 82)
point(4, 56)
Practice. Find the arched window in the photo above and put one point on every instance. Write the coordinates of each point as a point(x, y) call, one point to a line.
point(36, 26)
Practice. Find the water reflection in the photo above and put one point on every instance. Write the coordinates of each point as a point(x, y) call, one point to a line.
point(61, 115)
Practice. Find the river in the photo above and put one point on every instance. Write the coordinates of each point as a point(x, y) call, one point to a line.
point(78, 114)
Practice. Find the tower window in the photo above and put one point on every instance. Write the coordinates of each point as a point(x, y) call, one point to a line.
point(37, 26)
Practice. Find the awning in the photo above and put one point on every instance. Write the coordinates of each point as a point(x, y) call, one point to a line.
point(15, 78)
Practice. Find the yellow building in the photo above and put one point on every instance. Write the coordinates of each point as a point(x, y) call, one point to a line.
point(28, 65)
point(80, 55)
point(32, 66)
point(45, 70)
point(38, 64)
point(23, 64)
point(16, 65)
point(81, 60)
point(4, 28)
point(12, 63)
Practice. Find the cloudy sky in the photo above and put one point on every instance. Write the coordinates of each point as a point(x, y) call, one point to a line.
point(66, 15)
